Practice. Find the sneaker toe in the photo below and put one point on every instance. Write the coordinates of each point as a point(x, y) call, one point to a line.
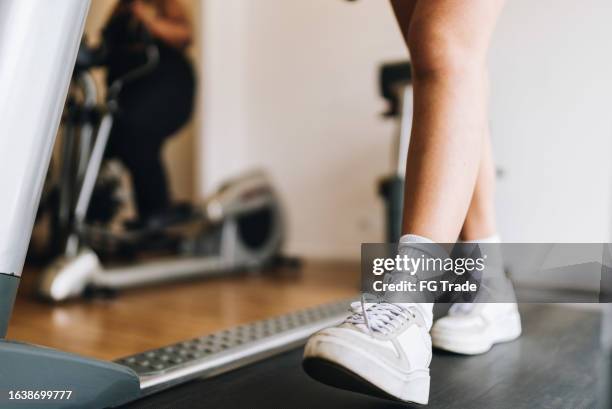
point(459, 324)
point(327, 342)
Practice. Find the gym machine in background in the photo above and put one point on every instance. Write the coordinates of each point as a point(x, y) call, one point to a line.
point(239, 227)
point(395, 82)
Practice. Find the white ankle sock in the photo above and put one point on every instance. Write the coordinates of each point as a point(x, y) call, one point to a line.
point(415, 238)
point(426, 309)
point(495, 278)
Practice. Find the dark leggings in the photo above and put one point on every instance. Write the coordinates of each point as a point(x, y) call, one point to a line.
point(150, 113)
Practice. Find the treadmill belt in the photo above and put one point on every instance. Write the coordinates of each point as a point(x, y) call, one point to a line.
point(553, 365)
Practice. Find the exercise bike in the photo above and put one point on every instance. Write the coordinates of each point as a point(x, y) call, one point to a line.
point(239, 227)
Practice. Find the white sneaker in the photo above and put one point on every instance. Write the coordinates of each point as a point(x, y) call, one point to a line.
point(383, 352)
point(472, 329)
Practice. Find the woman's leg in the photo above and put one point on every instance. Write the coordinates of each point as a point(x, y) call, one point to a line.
point(448, 41)
point(139, 147)
point(403, 10)
point(149, 181)
point(462, 330)
point(480, 220)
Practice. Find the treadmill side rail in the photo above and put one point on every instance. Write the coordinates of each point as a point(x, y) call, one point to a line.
point(85, 383)
point(223, 351)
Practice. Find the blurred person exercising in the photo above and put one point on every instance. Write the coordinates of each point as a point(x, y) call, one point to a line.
point(155, 106)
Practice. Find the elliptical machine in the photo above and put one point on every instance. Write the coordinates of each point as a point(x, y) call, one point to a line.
point(66, 171)
point(240, 227)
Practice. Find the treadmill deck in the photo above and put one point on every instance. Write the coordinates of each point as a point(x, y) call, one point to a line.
point(553, 365)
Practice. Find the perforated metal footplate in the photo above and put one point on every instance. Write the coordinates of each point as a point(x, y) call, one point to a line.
point(222, 351)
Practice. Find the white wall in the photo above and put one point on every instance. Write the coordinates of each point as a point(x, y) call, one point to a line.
point(291, 85)
point(551, 67)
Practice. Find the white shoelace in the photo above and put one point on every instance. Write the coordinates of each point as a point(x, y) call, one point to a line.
point(382, 318)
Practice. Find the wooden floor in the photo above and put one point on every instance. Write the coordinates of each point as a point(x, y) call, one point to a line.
point(143, 319)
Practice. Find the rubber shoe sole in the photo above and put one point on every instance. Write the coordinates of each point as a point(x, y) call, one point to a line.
point(474, 344)
point(337, 366)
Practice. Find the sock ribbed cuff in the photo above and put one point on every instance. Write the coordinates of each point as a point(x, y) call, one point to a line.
point(414, 238)
point(494, 239)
